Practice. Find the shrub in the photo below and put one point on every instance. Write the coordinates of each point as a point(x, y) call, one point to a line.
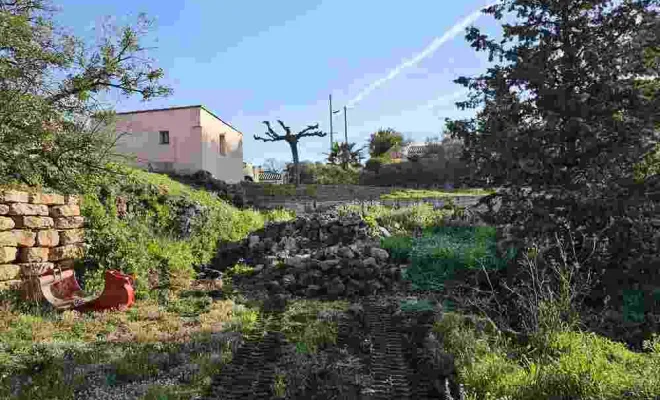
point(328, 174)
point(424, 172)
point(383, 140)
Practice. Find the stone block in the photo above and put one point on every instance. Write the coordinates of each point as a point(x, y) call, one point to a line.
point(69, 222)
point(33, 254)
point(33, 222)
point(28, 209)
point(6, 223)
point(71, 236)
point(34, 198)
point(7, 254)
point(72, 199)
point(7, 239)
point(35, 269)
point(9, 272)
point(48, 238)
point(13, 196)
point(11, 285)
point(52, 199)
point(64, 211)
point(4, 209)
point(24, 238)
point(66, 252)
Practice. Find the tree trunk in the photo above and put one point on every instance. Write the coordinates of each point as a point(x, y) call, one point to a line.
point(296, 161)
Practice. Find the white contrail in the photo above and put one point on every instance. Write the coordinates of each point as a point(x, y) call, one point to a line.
point(428, 51)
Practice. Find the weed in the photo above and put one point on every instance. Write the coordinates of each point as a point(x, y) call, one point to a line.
point(400, 221)
point(300, 324)
point(279, 387)
point(240, 269)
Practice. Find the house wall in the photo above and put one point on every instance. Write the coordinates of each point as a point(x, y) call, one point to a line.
point(142, 138)
point(228, 167)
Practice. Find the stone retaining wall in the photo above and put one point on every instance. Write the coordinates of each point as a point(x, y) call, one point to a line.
point(256, 193)
point(38, 231)
point(301, 206)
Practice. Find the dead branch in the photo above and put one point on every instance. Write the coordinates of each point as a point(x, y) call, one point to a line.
point(272, 135)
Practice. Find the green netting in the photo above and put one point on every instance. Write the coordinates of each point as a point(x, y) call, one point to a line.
point(442, 250)
point(416, 306)
point(633, 305)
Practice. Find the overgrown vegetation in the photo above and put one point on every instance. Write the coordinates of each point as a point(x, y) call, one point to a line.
point(168, 229)
point(564, 106)
point(553, 363)
point(404, 220)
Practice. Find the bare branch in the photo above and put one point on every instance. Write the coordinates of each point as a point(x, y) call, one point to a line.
point(272, 135)
point(306, 132)
point(286, 128)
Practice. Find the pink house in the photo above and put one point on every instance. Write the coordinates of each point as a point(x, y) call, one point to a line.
point(182, 140)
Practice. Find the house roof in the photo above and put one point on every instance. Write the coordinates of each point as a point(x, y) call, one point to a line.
point(268, 176)
point(182, 108)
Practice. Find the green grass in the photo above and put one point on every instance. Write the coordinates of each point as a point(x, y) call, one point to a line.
point(300, 325)
point(579, 364)
point(401, 221)
point(415, 194)
point(240, 269)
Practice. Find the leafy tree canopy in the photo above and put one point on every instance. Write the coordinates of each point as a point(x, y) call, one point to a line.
point(54, 129)
point(383, 140)
point(572, 98)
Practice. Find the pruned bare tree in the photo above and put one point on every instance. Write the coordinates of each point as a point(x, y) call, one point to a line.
point(292, 139)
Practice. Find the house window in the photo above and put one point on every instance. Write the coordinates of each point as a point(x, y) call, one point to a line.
point(164, 137)
point(222, 146)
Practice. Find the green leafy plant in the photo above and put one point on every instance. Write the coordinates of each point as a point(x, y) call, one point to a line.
point(240, 269)
point(53, 131)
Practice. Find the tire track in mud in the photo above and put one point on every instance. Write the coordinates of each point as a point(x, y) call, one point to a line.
point(395, 375)
point(388, 365)
point(251, 373)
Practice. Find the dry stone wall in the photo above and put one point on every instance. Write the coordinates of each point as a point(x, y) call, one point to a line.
point(38, 231)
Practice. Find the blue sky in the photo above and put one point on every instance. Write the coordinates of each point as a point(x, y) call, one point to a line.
point(251, 61)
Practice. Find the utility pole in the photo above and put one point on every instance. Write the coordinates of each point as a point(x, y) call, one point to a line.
point(330, 123)
point(345, 126)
